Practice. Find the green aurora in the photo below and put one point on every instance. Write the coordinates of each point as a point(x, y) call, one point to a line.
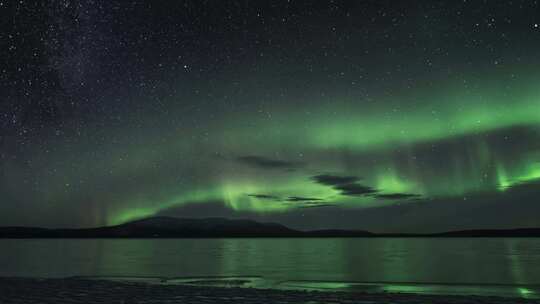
point(381, 136)
point(377, 115)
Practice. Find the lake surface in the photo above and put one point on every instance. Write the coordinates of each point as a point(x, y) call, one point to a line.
point(492, 266)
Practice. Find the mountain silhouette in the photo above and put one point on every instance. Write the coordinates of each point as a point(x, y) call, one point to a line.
point(172, 227)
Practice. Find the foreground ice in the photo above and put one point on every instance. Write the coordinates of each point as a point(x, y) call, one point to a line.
point(19, 290)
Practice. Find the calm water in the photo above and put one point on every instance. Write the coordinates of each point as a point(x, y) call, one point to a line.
point(476, 266)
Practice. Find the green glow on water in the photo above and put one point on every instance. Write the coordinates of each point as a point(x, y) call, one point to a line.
point(322, 285)
point(396, 288)
point(525, 292)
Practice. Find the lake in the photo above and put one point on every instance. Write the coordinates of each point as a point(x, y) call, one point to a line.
point(485, 266)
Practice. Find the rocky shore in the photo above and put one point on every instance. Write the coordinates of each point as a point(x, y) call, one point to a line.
point(58, 291)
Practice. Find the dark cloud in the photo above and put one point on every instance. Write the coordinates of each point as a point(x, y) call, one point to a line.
point(397, 196)
point(316, 206)
point(355, 189)
point(347, 185)
point(302, 199)
point(265, 196)
point(261, 162)
point(332, 180)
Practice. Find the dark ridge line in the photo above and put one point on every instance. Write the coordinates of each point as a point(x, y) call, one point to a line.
point(171, 227)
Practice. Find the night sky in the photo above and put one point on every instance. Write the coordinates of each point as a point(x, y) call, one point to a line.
point(402, 116)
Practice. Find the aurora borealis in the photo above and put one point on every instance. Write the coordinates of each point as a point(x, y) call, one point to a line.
point(415, 116)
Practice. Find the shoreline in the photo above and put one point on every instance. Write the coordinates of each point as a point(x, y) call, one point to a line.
point(80, 290)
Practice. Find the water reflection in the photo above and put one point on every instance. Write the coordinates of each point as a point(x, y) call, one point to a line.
point(490, 266)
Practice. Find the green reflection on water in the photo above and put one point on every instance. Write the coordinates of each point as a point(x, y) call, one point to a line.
point(457, 266)
point(285, 259)
point(526, 293)
point(405, 289)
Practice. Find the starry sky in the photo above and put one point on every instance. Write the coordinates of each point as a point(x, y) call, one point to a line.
point(389, 116)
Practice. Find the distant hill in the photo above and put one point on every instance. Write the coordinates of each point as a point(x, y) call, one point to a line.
point(160, 227)
point(171, 227)
point(523, 232)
